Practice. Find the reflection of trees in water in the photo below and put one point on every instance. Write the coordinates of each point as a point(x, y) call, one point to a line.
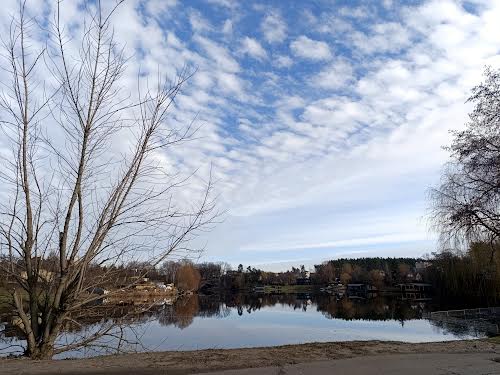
point(185, 310)
point(182, 312)
point(369, 309)
point(467, 327)
point(460, 330)
point(255, 302)
point(212, 307)
point(378, 308)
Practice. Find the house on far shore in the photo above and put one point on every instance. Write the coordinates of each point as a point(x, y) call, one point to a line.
point(361, 290)
point(416, 291)
point(415, 287)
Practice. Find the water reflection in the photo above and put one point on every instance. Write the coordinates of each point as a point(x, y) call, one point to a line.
point(241, 320)
point(182, 313)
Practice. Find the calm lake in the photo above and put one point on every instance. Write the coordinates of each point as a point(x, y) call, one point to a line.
point(236, 321)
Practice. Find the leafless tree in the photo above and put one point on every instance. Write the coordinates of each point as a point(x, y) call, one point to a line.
point(83, 181)
point(466, 204)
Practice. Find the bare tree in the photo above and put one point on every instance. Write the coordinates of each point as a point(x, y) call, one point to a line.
point(83, 180)
point(169, 270)
point(466, 205)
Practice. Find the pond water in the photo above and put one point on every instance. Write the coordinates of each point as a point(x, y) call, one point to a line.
point(236, 321)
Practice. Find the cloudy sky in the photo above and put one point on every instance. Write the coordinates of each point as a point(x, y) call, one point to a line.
point(323, 120)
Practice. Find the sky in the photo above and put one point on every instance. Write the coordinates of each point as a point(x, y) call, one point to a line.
point(322, 121)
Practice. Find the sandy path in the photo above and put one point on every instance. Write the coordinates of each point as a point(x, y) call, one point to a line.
point(394, 364)
point(275, 359)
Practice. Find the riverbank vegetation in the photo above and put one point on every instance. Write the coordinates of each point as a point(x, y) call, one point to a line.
point(465, 206)
point(473, 274)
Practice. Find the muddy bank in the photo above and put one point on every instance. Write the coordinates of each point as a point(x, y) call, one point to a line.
point(219, 359)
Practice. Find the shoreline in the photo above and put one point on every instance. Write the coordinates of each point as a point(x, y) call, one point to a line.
point(186, 362)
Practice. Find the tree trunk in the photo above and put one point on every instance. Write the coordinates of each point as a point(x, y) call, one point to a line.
point(43, 350)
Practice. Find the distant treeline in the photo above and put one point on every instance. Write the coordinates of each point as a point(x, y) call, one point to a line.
point(380, 272)
point(377, 271)
point(474, 273)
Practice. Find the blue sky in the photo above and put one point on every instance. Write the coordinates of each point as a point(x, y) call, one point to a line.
point(323, 121)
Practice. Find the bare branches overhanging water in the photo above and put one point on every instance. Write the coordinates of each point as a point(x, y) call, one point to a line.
point(84, 179)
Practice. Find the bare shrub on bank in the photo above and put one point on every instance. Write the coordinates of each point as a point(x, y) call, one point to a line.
point(188, 278)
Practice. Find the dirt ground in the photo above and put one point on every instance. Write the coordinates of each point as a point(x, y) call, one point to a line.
point(390, 364)
point(189, 362)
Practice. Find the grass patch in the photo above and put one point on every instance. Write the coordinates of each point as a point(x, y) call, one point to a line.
point(495, 340)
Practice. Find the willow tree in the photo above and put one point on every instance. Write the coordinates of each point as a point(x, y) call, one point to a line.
point(466, 204)
point(83, 178)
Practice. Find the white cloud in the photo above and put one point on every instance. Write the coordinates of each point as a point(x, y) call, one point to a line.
point(198, 22)
point(335, 76)
point(230, 83)
point(218, 54)
point(253, 48)
point(274, 28)
point(310, 49)
point(283, 61)
point(387, 4)
point(224, 3)
point(382, 38)
point(350, 242)
point(173, 41)
point(355, 12)
point(158, 8)
point(227, 27)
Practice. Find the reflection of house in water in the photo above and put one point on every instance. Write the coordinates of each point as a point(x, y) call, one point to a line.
point(361, 291)
point(416, 291)
point(338, 289)
point(303, 281)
